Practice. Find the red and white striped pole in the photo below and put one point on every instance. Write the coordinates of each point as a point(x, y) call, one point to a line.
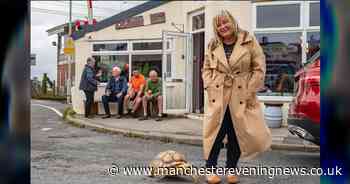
point(89, 2)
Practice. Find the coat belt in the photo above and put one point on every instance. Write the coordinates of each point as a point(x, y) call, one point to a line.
point(231, 76)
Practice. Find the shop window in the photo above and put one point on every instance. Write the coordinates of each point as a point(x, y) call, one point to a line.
point(110, 47)
point(314, 14)
point(284, 15)
point(313, 41)
point(198, 22)
point(147, 46)
point(105, 63)
point(283, 58)
point(145, 63)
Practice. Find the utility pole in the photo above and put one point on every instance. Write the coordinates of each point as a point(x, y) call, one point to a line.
point(90, 15)
point(69, 56)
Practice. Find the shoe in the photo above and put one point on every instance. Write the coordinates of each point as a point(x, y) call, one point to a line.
point(133, 114)
point(159, 118)
point(232, 179)
point(118, 116)
point(143, 118)
point(90, 116)
point(213, 179)
point(106, 116)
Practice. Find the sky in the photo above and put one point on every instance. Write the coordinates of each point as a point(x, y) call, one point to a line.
point(48, 14)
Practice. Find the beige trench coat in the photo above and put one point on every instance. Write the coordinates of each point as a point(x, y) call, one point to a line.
point(233, 84)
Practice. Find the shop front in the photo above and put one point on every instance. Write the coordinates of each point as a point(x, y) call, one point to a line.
point(167, 36)
point(171, 37)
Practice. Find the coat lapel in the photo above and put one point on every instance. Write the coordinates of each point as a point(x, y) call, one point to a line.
point(219, 52)
point(238, 50)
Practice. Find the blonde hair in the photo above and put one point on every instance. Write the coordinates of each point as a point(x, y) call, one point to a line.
point(217, 38)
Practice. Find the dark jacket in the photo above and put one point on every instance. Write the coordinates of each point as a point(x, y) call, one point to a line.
point(88, 81)
point(117, 86)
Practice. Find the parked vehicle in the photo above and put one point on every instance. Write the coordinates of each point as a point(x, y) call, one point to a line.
point(304, 111)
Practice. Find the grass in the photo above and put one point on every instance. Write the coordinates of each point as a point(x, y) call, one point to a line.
point(50, 97)
point(68, 111)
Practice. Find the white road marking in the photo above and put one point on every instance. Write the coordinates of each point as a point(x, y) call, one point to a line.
point(51, 108)
point(46, 129)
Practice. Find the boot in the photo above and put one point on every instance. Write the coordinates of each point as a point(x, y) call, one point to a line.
point(232, 179)
point(213, 179)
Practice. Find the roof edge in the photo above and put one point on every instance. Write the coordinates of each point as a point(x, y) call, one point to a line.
point(117, 17)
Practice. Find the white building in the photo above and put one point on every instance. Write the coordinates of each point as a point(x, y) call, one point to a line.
point(173, 35)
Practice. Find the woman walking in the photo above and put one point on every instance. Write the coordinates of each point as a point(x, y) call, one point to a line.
point(233, 71)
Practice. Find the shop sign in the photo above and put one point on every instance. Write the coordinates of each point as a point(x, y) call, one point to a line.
point(69, 47)
point(130, 22)
point(157, 18)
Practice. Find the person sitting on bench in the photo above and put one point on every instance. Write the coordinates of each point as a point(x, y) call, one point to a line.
point(153, 93)
point(115, 91)
point(135, 92)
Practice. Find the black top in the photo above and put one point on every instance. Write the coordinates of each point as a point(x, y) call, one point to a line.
point(228, 49)
point(88, 81)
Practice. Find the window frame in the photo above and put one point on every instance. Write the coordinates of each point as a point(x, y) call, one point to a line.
point(146, 41)
point(307, 16)
point(109, 52)
point(190, 22)
point(130, 52)
point(276, 3)
point(304, 27)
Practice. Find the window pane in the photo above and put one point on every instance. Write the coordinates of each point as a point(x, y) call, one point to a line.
point(198, 22)
point(313, 40)
point(148, 46)
point(278, 16)
point(107, 62)
point(168, 65)
point(283, 59)
point(145, 63)
point(110, 47)
point(314, 14)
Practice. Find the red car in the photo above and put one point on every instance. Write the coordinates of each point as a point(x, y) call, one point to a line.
point(304, 111)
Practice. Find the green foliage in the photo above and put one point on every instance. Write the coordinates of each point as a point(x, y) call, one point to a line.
point(68, 112)
point(50, 97)
point(145, 69)
point(44, 84)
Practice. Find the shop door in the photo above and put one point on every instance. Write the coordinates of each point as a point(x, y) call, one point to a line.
point(177, 72)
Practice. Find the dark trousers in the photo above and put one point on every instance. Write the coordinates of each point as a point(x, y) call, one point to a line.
point(88, 102)
point(106, 99)
point(233, 150)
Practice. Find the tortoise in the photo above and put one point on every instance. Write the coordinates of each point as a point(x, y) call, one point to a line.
point(171, 161)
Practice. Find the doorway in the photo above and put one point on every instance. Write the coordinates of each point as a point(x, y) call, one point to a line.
point(198, 60)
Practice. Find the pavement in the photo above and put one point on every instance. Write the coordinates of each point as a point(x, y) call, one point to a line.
point(183, 130)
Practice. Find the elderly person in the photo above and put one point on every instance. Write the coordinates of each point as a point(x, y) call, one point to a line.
point(135, 92)
point(115, 91)
point(233, 71)
point(88, 84)
point(153, 92)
